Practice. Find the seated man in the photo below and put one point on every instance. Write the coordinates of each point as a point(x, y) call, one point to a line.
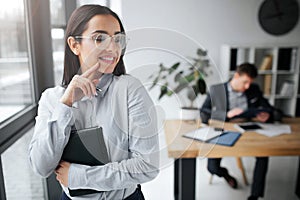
point(226, 101)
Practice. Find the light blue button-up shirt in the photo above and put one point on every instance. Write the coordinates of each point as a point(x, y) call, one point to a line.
point(127, 116)
point(236, 99)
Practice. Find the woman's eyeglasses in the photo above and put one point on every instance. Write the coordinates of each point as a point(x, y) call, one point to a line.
point(102, 40)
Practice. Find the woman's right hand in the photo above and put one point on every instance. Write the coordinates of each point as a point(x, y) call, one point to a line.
point(82, 85)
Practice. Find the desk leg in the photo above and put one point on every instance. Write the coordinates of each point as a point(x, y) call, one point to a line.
point(185, 178)
point(298, 181)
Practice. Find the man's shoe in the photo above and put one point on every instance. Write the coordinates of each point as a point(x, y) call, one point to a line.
point(231, 181)
point(252, 197)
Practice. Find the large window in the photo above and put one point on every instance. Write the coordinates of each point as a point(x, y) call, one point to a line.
point(24, 74)
point(60, 12)
point(15, 72)
point(58, 26)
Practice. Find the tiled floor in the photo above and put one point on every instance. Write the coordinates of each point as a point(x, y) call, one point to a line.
point(280, 184)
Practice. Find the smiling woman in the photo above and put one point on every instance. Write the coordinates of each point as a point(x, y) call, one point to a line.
point(97, 92)
point(109, 42)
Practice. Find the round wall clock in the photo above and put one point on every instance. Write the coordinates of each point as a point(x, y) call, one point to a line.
point(278, 17)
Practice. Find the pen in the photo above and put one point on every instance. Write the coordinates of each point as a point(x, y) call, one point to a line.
point(219, 129)
point(98, 89)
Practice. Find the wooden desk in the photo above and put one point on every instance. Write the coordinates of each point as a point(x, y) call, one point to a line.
point(185, 150)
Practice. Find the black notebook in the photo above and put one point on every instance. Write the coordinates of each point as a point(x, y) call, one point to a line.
point(86, 147)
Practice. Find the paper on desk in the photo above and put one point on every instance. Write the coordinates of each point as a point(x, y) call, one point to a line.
point(203, 134)
point(272, 130)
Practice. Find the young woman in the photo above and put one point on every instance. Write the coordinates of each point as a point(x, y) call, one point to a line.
point(96, 92)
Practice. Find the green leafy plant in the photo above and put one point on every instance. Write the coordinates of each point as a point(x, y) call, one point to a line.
point(188, 76)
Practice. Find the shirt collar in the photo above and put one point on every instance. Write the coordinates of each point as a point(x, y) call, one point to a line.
point(230, 89)
point(104, 83)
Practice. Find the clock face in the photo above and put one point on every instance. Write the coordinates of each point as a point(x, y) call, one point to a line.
point(278, 17)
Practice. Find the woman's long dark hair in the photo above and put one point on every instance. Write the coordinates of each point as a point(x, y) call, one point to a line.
point(77, 24)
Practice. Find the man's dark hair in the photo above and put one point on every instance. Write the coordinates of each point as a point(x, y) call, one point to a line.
point(248, 69)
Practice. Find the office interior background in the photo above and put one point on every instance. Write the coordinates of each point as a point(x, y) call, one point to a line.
point(168, 31)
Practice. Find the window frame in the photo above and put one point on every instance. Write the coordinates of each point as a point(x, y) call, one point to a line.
point(37, 19)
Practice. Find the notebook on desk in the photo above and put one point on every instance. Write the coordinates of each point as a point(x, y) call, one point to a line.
point(227, 138)
point(203, 134)
point(86, 147)
point(214, 136)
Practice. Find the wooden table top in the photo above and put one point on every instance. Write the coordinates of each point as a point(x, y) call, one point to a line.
point(249, 144)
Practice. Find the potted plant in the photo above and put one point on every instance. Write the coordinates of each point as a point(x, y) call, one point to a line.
point(188, 77)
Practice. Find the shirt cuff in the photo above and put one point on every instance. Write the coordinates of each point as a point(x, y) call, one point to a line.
point(63, 114)
point(77, 176)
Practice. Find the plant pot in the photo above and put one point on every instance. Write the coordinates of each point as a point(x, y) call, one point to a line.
point(189, 113)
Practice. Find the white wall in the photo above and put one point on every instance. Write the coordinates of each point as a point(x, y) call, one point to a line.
point(181, 26)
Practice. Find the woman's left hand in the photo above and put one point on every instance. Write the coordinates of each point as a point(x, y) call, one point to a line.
point(62, 172)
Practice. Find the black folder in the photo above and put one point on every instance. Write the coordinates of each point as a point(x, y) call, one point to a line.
point(86, 147)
